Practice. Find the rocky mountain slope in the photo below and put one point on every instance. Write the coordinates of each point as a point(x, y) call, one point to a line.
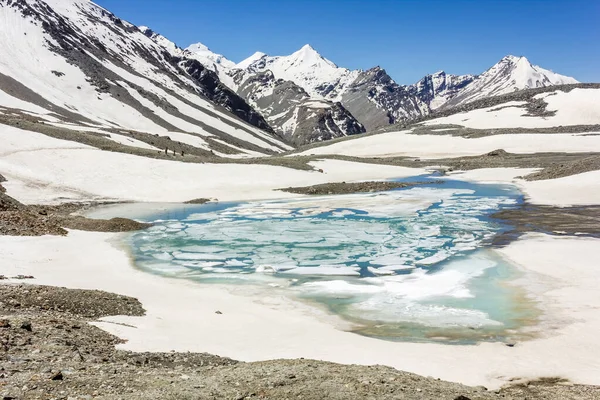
point(287, 107)
point(73, 64)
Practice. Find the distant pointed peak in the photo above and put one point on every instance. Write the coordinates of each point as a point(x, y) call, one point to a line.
point(514, 59)
point(197, 48)
point(250, 60)
point(307, 47)
point(307, 55)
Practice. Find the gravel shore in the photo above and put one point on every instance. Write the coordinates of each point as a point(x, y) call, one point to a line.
point(17, 219)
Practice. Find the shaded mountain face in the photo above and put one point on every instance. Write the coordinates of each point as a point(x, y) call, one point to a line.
point(81, 63)
point(376, 100)
point(434, 90)
point(292, 112)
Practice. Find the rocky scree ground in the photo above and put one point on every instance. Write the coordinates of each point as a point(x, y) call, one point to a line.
point(352, 187)
point(17, 219)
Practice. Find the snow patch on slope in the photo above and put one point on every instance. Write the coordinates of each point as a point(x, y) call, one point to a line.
point(576, 107)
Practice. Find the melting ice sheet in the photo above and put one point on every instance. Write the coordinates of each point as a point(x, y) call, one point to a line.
point(407, 264)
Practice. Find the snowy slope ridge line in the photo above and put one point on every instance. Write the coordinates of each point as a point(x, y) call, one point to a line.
point(77, 61)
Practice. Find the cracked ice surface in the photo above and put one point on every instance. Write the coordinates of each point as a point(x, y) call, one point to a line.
point(395, 256)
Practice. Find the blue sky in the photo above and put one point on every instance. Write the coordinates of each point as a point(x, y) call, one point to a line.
point(407, 38)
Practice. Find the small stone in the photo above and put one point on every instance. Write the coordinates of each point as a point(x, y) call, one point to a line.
point(27, 326)
point(4, 323)
point(58, 376)
point(510, 344)
point(461, 397)
point(218, 312)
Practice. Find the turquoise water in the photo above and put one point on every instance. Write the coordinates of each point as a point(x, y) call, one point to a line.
point(408, 264)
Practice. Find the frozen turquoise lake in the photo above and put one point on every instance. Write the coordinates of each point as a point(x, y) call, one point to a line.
point(409, 264)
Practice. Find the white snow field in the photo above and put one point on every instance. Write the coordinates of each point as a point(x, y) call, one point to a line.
point(404, 143)
point(576, 107)
point(35, 164)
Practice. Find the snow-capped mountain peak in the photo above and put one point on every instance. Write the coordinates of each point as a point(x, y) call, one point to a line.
point(197, 48)
point(250, 60)
point(512, 58)
point(208, 58)
point(307, 56)
point(525, 75)
point(510, 74)
point(306, 67)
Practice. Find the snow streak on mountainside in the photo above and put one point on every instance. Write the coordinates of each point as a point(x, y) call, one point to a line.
point(73, 61)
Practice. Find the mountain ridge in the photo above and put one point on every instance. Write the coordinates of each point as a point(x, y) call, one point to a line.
point(375, 99)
